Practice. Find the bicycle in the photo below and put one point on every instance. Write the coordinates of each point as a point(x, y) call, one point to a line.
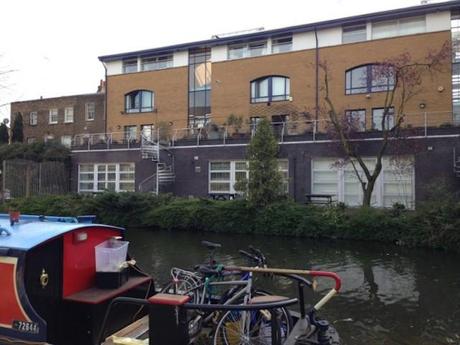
point(245, 326)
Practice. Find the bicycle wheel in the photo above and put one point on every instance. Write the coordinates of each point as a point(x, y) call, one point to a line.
point(250, 327)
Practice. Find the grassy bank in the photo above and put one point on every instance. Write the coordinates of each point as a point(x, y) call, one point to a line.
point(435, 225)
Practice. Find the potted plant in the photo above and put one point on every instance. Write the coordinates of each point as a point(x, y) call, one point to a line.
point(236, 122)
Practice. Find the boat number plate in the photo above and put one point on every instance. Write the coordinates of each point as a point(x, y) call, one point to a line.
point(26, 327)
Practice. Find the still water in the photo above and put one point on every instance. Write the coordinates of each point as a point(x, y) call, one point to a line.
point(390, 295)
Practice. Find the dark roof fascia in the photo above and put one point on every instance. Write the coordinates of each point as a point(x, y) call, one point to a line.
point(59, 97)
point(377, 16)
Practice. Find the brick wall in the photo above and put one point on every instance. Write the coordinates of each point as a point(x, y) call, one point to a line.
point(78, 126)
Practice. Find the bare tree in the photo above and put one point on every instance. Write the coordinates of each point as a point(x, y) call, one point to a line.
point(401, 78)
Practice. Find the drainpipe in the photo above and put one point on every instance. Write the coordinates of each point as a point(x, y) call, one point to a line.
point(317, 77)
point(105, 98)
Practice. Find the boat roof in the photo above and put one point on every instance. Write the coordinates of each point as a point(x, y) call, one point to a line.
point(31, 231)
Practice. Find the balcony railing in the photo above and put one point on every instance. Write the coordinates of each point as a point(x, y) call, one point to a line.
point(414, 124)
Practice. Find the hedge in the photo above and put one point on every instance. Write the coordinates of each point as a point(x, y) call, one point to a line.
point(435, 224)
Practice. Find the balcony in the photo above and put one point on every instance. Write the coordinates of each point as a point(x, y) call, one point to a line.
point(414, 125)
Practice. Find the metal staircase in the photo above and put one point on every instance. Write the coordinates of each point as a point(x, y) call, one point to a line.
point(151, 149)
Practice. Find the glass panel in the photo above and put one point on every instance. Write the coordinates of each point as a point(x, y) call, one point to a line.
point(130, 66)
point(127, 167)
point(281, 45)
point(359, 80)
point(220, 165)
point(147, 101)
point(101, 186)
point(257, 48)
point(236, 52)
point(241, 165)
point(126, 176)
point(102, 168)
point(278, 86)
point(86, 186)
point(356, 119)
point(86, 167)
point(101, 177)
point(240, 175)
point(220, 187)
point(409, 26)
point(220, 176)
point(384, 29)
point(86, 177)
point(377, 117)
point(111, 177)
point(127, 186)
point(111, 186)
point(355, 33)
point(111, 167)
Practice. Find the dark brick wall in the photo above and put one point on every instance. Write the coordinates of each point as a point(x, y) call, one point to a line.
point(433, 164)
point(42, 107)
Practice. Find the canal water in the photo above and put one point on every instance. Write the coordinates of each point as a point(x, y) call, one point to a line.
point(390, 295)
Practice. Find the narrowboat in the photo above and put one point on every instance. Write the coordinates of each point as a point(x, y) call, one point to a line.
point(51, 292)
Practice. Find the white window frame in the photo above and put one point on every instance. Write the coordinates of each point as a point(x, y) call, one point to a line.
point(33, 118)
point(247, 49)
point(233, 170)
point(88, 111)
point(277, 43)
point(53, 112)
point(378, 193)
point(68, 115)
point(117, 180)
point(157, 62)
point(350, 33)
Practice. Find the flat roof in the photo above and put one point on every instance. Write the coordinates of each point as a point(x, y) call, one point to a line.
point(30, 231)
point(376, 16)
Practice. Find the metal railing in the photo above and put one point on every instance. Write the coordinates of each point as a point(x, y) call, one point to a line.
point(416, 124)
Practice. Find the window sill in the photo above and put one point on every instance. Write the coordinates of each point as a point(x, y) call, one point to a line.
point(52, 123)
point(269, 102)
point(66, 122)
point(89, 120)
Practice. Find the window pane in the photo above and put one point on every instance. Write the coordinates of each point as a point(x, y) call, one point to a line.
point(127, 167)
point(127, 186)
point(86, 186)
point(220, 187)
point(241, 165)
point(278, 86)
point(86, 167)
point(281, 45)
point(384, 29)
point(220, 165)
point(409, 26)
point(220, 176)
point(130, 66)
point(356, 119)
point(236, 52)
point(147, 100)
point(355, 33)
point(257, 48)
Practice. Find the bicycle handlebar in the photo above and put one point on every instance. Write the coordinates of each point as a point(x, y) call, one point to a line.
point(249, 256)
point(282, 271)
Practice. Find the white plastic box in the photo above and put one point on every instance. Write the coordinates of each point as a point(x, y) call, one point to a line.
point(110, 255)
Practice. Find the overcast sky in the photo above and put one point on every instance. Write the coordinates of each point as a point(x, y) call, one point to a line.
point(53, 45)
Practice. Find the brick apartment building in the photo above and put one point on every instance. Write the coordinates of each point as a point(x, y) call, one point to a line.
point(62, 118)
point(186, 112)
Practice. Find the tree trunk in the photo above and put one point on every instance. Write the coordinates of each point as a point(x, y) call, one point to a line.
point(367, 193)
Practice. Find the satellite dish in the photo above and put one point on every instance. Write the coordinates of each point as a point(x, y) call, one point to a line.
point(6, 121)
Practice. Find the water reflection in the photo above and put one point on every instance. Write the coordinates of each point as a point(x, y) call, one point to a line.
point(390, 295)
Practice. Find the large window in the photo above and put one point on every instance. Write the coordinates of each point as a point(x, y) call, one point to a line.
point(404, 26)
point(377, 119)
point(223, 175)
point(199, 86)
point(269, 89)
point(354, 33)
point(33, 118)
point(53, 116)
point(118, 177)
point(152, 63)
point(238, 51)
point(66, 140)
point(282, 44)
point(139, 101)
point(395, 183)
point(369, 78)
